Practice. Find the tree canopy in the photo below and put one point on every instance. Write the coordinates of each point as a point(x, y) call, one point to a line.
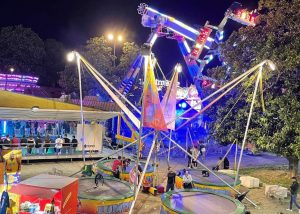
point(277, 38)
point(100, 54)
point(22, 49)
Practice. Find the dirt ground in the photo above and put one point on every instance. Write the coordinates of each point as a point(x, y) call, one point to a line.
point(147, 203)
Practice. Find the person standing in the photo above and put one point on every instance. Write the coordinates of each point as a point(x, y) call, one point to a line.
point(171, 180)
point(74, 144)
point(30, 144)
point(67, 144)
point(187, 180)
point(196, 154)
point(38, 144)
point(47, 144)
point(116, 167)
point(294, 191)
point(58, 145)
point(190, 151)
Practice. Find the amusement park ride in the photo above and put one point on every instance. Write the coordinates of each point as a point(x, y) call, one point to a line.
point(204, 41)
point(198, 48)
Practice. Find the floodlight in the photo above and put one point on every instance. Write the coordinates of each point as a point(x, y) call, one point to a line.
point(71, 56)
point(271, 65)
point(178, 68)
point(110, 37)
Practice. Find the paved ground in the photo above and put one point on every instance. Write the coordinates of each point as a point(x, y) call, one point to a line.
point(150, 204)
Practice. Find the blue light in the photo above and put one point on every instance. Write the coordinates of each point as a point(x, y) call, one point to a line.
point(4, 126)
point(183, 105)
point(179, 105)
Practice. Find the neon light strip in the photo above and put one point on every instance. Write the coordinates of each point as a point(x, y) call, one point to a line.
point(4, 126)
point(175, 21)
point(210, 39)
point(187, 47)
point(153, 39)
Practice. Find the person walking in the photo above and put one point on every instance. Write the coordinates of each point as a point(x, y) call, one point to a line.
point(294, 191)
point(171, 180)
point(187, 180)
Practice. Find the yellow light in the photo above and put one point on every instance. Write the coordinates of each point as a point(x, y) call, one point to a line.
point(198, 46)
point(110, 37)
point(244, 15)
point(71, 56)
point(178, 68)
point(11, 69)
point(120, 38)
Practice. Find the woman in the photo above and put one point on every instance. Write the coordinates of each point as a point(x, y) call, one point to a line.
point(187, 180)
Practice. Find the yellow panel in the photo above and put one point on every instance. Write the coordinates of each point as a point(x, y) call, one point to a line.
point(14, 100)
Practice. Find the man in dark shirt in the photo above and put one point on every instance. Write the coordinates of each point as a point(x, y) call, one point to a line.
point(171, 180)
point(74, 144)
point(66, 144)
point(294, 191)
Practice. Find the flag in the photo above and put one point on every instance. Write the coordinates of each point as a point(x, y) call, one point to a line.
point(168, 103)
point(152, 113)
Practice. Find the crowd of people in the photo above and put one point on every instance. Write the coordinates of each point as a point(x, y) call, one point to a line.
point(40, 145)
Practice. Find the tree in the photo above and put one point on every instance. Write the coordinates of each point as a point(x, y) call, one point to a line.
point(22, 49)
point(54, 62)
point(98, 52)
point(275, 38)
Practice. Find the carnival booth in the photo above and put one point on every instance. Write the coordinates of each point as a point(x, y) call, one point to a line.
point(44, 193)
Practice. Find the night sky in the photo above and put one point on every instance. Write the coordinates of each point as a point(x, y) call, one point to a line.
point(73, 22)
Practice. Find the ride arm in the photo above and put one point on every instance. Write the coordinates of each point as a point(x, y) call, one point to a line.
point(135, 68)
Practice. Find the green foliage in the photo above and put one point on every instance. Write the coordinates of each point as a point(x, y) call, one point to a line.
point(22, 49)
point(275, 38)
point(100, 54)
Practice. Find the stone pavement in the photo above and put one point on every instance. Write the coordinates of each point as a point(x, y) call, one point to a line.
point(151, 204)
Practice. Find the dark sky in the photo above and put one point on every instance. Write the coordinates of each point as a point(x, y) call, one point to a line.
point(73, 22)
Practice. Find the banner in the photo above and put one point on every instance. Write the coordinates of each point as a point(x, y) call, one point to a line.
point(168, 103)
point(152, 112)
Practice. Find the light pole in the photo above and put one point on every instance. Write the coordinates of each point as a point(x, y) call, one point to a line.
point(111, 37)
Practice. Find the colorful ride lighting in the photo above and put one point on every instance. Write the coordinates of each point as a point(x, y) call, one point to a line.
point(153, 39)
point(249, 17)
point(18, 78)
